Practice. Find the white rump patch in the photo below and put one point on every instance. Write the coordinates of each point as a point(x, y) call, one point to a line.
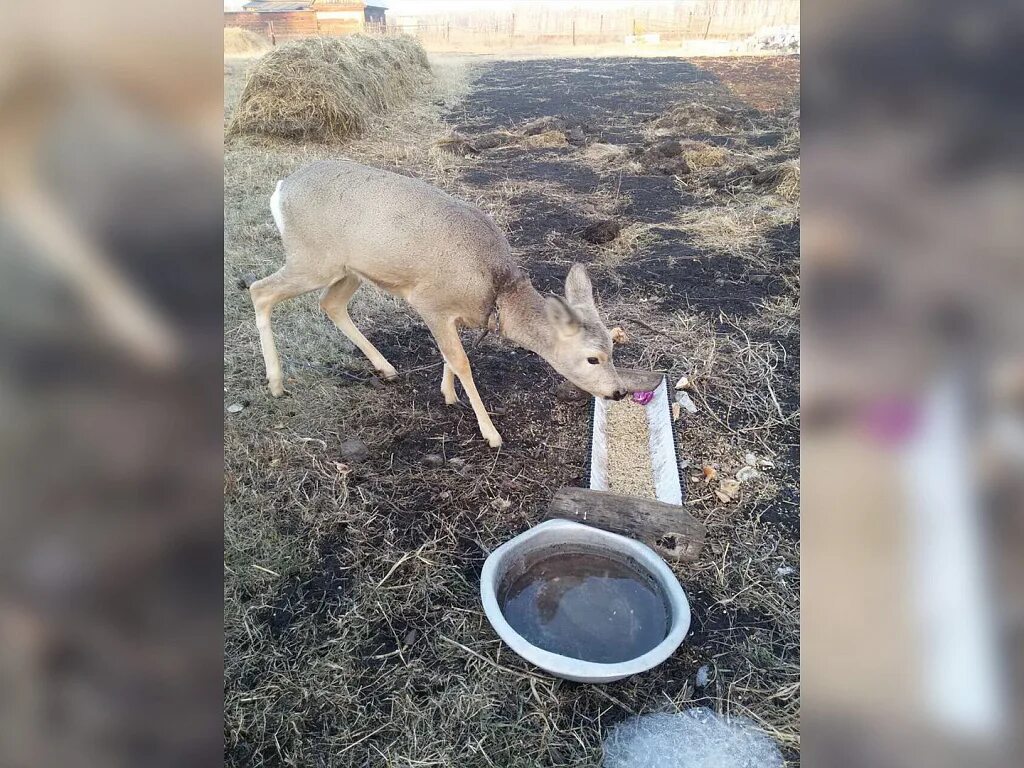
point(275, 208)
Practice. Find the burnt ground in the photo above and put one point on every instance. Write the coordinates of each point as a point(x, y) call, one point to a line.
point(354, 633)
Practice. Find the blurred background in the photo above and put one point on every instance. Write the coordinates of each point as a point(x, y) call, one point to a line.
point(110, 383)
point(913, 384)
point(110, 408)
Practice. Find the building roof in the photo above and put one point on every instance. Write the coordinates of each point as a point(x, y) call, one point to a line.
point(276, 6)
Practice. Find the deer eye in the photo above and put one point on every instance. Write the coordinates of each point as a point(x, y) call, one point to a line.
point(593, 361)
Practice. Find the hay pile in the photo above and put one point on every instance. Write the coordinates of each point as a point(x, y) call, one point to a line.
point(243, 42)
point(694, 118)
point(324, 89)
point(699, 155)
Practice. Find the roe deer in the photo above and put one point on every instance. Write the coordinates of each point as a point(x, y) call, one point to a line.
point(342, 223)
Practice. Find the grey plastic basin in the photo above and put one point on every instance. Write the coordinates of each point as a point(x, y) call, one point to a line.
point(568, 532)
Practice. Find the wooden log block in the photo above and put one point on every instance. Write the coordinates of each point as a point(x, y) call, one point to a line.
point(668, 529)
point(639, 381)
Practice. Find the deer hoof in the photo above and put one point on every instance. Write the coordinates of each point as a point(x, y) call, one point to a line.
point(493, 440)
point(450, 398)
point(276, 389)
point(389, 373)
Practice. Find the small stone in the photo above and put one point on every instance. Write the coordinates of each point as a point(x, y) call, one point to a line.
point(723, 497)
point(677, 411)
point(445, 495)
point(500, 504)
point(784, 570)
point(410, 637)
point(235, 408)
point(434, 460)
point(750, 459)
point(602, 231)
point(353, 449)
point(619, 336)
point(683, 383)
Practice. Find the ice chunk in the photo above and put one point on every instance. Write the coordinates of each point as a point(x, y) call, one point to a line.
point(694, 738)
point(701, 679)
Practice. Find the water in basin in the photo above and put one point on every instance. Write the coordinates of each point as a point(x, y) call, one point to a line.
point(589, 604)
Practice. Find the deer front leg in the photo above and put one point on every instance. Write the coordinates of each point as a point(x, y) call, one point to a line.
point(447, 337)
point(448, 385)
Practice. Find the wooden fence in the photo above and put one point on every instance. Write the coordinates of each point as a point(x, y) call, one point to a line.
point(289, 25)
point(539, 24)
point(542, 24)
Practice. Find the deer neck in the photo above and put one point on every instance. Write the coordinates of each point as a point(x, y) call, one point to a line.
point(522, 318)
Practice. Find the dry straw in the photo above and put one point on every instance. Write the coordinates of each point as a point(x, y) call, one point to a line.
point(700, 155)
point(325, 89)
point(629, 450)
point(784, 179)
point(243, 42)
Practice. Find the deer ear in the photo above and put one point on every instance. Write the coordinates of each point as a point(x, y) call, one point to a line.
point(578, 289)
point(561, 316)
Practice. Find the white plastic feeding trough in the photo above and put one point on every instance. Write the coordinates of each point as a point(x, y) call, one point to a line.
point(554, 541)
point(662, 445)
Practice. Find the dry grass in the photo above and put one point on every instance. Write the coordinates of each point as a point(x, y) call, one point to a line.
point(785, 180)
point(631, 241)
point(738, 228)
point(747, 394)
point(323, 89)
point(244, 42)
point(609, 157)
point(700, 156)
point(546, 139)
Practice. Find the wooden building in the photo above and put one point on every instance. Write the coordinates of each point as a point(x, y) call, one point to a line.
point(288, 19)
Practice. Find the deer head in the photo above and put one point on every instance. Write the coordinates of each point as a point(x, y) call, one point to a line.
point(580, 346)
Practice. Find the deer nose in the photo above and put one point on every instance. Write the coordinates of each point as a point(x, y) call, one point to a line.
point(619, 394)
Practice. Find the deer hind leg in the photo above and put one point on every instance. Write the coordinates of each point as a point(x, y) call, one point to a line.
point(334, 301)
point(267, 294)
point(448, 385)
point(448, 342)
